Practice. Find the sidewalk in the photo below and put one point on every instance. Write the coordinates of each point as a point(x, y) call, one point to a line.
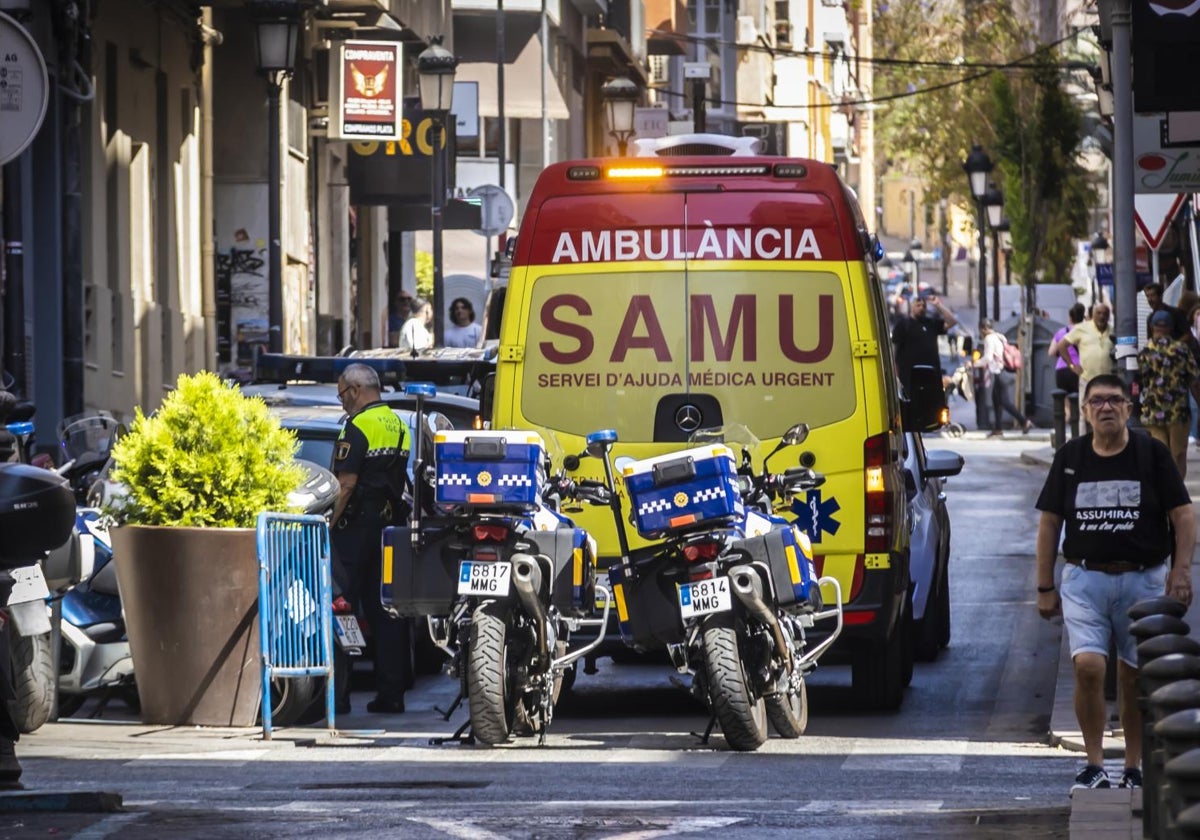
point(1112, 814)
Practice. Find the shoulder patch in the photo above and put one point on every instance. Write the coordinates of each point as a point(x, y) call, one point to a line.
point(343, 450)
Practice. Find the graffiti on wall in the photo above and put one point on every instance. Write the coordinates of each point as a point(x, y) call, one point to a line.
point(242, 303)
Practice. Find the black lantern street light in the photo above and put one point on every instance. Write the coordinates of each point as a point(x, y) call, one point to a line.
point(909, 264)
point(993, 203)
point(1099, 256)
point(276, 31)
point(620, 101)
point(435, 70)
point(977, 166)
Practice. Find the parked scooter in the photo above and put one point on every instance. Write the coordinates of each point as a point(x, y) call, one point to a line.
point(37, 512)
point(731, 590)
point(504, 578)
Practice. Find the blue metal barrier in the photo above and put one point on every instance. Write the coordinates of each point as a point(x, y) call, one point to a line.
point(295, 604)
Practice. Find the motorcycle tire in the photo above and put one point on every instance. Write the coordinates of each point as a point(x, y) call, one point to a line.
point(291, 697)
point(491, 676)
point(33, 672)
point(742, 715)
point(788, 713)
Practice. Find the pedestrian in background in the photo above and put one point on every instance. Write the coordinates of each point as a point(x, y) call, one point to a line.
point(370, 461)
point(463, 331)
point(916, 337)
point(399, 313)
point(998, 379)
point(1154, 297)
point(1093, 340)
point(1192, 340)
point(1126, 513)
point(1065, 378)
point(1167, 372)
point(415, 335)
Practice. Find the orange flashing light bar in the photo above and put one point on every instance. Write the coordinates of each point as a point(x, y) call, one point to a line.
point(686, 519)
point(635, 172)
point(480, 499)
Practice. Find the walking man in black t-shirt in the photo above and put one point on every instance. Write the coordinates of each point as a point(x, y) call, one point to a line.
point(915, 337)
point(1128, 515)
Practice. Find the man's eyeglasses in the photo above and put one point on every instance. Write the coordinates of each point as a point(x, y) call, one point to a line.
point(344, 390)
point(1115, 400)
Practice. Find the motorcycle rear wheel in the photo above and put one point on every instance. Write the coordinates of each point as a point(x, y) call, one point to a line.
point(33, 672)
point(491, 689)
point(789, 712)
point(742, 715)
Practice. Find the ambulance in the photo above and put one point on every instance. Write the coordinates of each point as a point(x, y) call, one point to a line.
point(702, 285)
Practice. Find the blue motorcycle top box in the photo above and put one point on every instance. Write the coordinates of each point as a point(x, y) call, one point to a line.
point(494, 469)
point(682, 490)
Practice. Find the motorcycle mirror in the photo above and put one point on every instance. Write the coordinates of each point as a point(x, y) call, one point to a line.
point(795, 435)
point(570, 463)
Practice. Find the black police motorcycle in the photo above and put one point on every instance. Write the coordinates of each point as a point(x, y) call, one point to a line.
point(731, 590)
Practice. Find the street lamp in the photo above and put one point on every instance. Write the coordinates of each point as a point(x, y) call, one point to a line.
point(993, 203)
point(276, 31)
point(1099, 254)
point(977, 166)
point(435, 71)
point(620, 100)
point(909, 264)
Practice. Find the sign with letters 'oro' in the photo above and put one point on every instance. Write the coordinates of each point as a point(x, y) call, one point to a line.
point(24, 89)
point(365, 93)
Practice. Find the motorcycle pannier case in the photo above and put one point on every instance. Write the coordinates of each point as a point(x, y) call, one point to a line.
point(788, 555)
point(489, 470)
point(681, 490)
point(647, 604)
point(572, 553)
point(419, 584)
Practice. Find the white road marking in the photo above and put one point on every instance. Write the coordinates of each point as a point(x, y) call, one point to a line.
point(106, 827)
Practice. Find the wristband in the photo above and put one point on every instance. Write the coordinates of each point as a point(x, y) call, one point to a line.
point(1042, 590)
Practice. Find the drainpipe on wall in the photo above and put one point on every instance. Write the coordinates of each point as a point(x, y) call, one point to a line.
point(73, 58)
point(208, 243)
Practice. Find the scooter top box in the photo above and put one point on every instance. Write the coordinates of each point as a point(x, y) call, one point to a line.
point(489, 469)
point(680, 490)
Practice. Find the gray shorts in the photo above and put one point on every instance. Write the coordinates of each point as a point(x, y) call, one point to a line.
point(1096, 607)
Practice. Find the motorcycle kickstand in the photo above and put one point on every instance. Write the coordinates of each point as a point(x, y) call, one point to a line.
point(712, 722)
point(453, 706)
point(460, 736)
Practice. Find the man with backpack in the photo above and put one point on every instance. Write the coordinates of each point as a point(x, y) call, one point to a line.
point(1127, 516)
point(999, 365)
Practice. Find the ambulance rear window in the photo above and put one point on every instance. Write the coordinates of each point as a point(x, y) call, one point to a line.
point(767, 347)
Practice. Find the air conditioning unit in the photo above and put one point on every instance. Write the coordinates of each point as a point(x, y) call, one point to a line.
point(747, 32)
point(660, 69)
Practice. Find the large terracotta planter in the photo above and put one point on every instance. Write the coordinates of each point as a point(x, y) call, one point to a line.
point(191, 611)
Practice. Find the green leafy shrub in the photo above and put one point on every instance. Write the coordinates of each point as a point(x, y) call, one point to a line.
point(210, 456)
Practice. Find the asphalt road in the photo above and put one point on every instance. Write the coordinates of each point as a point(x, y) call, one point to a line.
point(964, 757)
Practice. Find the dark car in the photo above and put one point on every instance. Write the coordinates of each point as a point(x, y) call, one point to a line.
point(317, 428)
point(929, 552)
point(461, 411)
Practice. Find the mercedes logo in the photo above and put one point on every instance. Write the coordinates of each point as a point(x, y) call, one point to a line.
point(688, 418)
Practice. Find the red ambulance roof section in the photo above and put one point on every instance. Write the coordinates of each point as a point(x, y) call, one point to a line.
point(756, 216)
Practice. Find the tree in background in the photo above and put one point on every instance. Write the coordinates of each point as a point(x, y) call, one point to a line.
point(951, 75)
point(1037, 146)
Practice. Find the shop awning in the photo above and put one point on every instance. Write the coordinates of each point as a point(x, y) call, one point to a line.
point(522, 87)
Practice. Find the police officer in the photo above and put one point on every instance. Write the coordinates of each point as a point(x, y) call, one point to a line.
point(370, 460)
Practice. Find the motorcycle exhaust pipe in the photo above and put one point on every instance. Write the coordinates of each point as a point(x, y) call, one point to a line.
point(748, 588)
point(527, 580)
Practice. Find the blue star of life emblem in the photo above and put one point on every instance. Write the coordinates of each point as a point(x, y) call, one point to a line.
point(815, 517)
